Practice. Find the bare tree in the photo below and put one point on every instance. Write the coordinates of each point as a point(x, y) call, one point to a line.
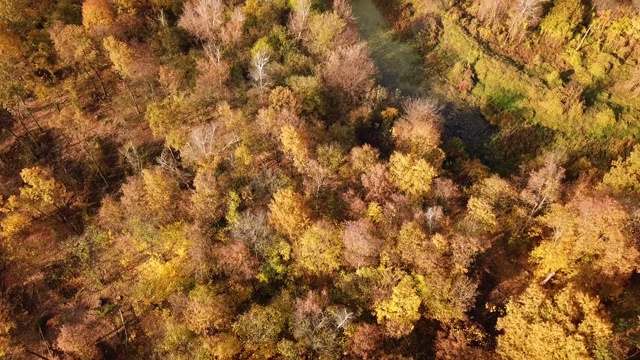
point(133, 157)
point(299, 17)
point(342, 317)
point(351, 72)
point(259, 70)
point(433, 215)
point(544, 185)
point(208, 140)
point(202, 18)
point(493, 11)
point(528, 12)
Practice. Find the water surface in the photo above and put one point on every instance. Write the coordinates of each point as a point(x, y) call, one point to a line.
point(399, 64)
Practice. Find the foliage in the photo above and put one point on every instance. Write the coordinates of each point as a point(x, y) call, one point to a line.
point(210, 179)
point(318, 251)
point(568, 324)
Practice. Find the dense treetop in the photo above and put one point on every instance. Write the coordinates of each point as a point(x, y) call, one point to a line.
point(225, 179)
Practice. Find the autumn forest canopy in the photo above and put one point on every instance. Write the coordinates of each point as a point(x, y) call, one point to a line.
point(318, 179)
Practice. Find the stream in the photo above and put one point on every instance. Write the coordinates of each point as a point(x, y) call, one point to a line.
point(400, 67)
point(399, 64)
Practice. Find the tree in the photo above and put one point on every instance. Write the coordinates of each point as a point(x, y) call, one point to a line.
point(203, 18)
point(162, 194)
point(207, 144)
point(493, 11)
point(288, 213)
point(399, 312)
point(567, 325)
point(208, 197)
point(211, 83)
point(527, 13)
point(299, 18)
point(75, 48)
point(130, 64)
point(170, 119)
point(376, 181)
point(43, 195)
point(415, 248)
point(317, 327)
point(418, 131)
point(294, 144)
point(6, 326)
point(361, 247)
point(446, 292)
point(260, 327)
point(434, 215)
point(97, 16)
point(412, 175)
point(260, 55)
point(318, 252)
point(587, 243)
point(350, 73)
point(13, 11)
point(168, 270)
point(365, 342)
point(324, 32)
point(78, 339)
point(544, 185)
point(78, 127)
point(208, 311)
point(236, 260)
point(624, 175)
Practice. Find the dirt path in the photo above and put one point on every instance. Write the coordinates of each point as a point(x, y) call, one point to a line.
point(399, 64)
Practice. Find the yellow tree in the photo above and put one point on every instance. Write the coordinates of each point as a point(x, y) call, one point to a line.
point(75, 48)
point(43, 195)
point(169, 268)
point(399, 312)
point(288, 214)
point(162, 193)
point(16, 219)
point(130, 64)
point(318, 251)
point(412, 175)
point(208, 310)
point(587, 243)
point(6, 325)
point(97, 16)
point(172, 118)
point(566, 325)
point(295, 145)
point(624, 176)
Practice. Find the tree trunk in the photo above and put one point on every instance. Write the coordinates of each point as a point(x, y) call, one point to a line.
point(95, 71)
point(133, 99)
